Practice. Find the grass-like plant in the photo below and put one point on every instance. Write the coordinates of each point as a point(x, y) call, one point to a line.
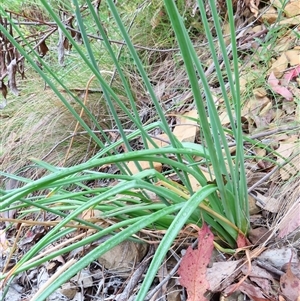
point(222, 204)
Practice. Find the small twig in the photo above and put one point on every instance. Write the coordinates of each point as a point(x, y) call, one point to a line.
point(269, 133)
point(269, 268)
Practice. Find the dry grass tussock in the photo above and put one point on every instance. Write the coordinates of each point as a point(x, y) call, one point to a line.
point(38, 125)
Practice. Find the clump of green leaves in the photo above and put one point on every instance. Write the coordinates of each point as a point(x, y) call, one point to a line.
point(223, 204)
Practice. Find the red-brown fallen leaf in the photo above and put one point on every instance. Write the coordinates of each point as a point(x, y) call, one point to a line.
point(276, 87)
point(242, 241)
point(249, 289)
point(192, 270)
point(290, 284)
point(254, 292)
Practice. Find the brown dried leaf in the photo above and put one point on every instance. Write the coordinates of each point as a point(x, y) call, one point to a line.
point(252, 291)
point(220, 273)
point(290, 284)
point(242, 241)
point(279, 66)
point(123, 257)
point(259, 235)
point(69, 290)
point(67, 44)
point(292, 8)
point(270, 16)
point(3, 89)
point(290, 21)
point(43, 48)
point(195, 183)
point(144, 165)
point(3, 69)
point(72, 30)
point(21, 68)
point(293, 57)
point(186, 129)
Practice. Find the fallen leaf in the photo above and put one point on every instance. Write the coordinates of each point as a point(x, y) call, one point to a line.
point(268, 203)
point(290, 221)
point(279, 66)
point(254, 292)
point(294, 266)
point(290, 21)
point(292, 8)
point(293, 57)
point(253, 208)
point(291, 74)
point(220, 273)
point(186, 128)
point(259, 235)
point(3, 89)
point(193, 267)
point(290, 284)
point(43, 48)
point(161, 140)
point(284, 43)
point(83, 279)
point(286, 148)
point(123, 257)
point(276, 87)
point(69, 290)
point(242, 241)
point(144, 165)
point(195, 183)
point(270, 16)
